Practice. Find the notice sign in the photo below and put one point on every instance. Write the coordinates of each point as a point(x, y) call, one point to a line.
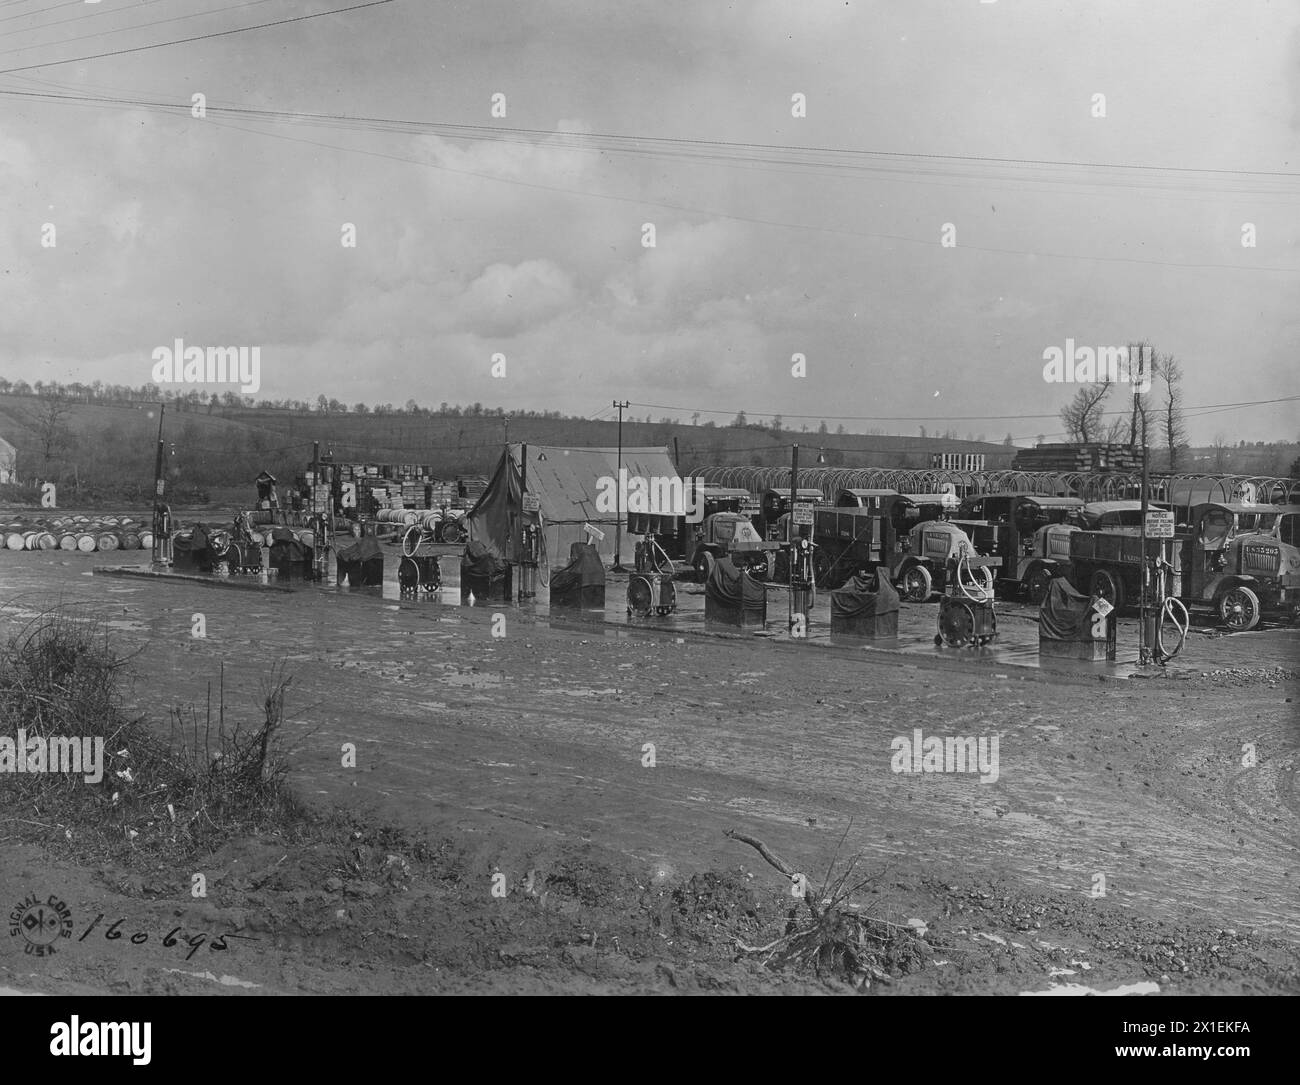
point(532, 503)
point(803, 514)
point(1160, 524)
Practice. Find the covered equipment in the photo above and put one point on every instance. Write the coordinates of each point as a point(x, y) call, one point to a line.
point(733, 598)
point(361, 565)
point(483, 574)
point(866, 606)
point(1068, 624)
point(581, 583)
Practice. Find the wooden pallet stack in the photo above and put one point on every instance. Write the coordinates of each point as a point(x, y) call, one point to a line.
point(1064, 459)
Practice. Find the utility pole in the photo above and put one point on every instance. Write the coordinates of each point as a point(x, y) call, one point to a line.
point(1144, 645)
point(161, 526)
point(622, 405)
point(1133, 421)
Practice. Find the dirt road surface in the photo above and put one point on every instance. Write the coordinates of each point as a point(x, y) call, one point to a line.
point(1141, 830)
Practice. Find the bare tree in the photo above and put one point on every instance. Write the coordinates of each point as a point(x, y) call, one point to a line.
point(1220, 447)
point(51, 428)
point(1173, 421)
point(1083, 415)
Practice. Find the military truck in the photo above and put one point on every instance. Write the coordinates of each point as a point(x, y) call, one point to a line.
point(1239, 561)
point(1029, 532)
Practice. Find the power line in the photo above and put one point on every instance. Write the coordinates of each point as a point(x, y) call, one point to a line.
point(644, 202)
point(703, 150)
point(940, 417)
point(61, 22)
point(197, 37)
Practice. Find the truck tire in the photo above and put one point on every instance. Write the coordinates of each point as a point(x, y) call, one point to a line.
point(704, 562)
point(1038, 584)
point(1106, 585)
point(1238, 609)
point(916, 584)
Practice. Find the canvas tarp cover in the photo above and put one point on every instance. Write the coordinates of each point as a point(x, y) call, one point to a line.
point(566, 482)
point(362, 563)
point(479, 561)
point(286, 548)
point(859, 598)
point(581, 583)
point(366, 549)
point(1064, 613)
point(733, 589)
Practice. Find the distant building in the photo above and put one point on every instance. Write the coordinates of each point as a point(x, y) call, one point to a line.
point(8, 462)
point(957, 461)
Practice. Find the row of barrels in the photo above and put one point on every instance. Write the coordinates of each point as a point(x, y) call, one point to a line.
point(79, 533)
point(446, 529)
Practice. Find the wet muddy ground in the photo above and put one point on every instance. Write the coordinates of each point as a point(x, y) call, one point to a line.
point(519, 745)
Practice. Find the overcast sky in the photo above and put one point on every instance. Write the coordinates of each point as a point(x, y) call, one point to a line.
point(226, 230)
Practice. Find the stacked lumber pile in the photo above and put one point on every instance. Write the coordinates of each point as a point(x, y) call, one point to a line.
point(1064, 458)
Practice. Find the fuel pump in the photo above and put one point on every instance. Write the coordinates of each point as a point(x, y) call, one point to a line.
point(1167, 606)
point(322, 528)
point(162, 534)
point(530, 552)
point(650, 588)
point(803, 584)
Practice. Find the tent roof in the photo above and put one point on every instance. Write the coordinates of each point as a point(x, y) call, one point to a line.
point(566, 480)
point(566, 483)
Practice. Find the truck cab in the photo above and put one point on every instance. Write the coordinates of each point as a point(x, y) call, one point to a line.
point(925, 558)
point(728, 534)
point(1243, 560)
point(1029, 532)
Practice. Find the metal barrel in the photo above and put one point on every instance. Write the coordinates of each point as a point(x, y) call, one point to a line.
point(46, 541)
point(14, 540)
point(146, 540)
point(85, 542)
point(67, 541)
point(107, 540)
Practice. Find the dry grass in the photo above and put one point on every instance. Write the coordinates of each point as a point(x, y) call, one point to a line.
point(187, 791)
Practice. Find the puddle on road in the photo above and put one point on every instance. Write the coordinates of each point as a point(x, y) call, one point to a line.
point(1142, 987)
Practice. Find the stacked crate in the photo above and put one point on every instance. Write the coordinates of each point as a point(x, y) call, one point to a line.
point(1064, 458)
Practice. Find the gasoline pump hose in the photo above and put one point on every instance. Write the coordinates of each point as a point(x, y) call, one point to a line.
point(672, 565)
point(963, 564)
point(544, 558)
point(1167, 610)
point(425, 535)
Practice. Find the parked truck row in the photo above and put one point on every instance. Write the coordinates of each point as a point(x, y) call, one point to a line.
point(1240, 562)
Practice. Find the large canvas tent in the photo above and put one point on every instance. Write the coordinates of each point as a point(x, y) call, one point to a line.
point(566, 482)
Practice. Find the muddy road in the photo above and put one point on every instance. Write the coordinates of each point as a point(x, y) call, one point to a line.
point(1175, 793)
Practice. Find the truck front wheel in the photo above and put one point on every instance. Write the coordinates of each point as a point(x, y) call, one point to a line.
point(916, 584)
point(704, 562)
point(1038, 585)
point(1238, 609)
point(1106, 585)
